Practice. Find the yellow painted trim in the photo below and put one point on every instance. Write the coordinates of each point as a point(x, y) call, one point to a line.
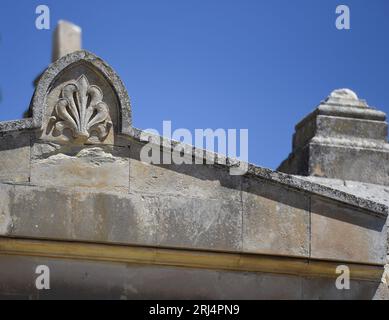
point(184, 258)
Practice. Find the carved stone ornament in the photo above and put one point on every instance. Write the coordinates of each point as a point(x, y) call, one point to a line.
point(81, 109)
point(80, 99)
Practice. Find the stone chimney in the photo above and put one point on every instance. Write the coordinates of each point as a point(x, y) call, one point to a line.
point(66, 39)
point(343, 138)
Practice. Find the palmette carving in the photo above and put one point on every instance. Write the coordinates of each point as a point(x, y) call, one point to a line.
point(81, 110)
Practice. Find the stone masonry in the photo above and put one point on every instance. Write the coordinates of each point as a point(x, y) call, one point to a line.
point(75, 196)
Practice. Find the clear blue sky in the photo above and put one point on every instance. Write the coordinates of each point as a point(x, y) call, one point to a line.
point(260, 65)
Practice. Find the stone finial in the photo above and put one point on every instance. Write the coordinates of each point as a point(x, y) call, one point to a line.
point(343, 138)
point(345, 97)
point(67, 39)
point(344, 94)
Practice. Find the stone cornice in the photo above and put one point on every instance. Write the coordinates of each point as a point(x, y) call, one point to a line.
point(198, 259)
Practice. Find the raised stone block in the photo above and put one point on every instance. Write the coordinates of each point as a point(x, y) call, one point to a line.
point(100, 167)
point(275, 219)
point(339, 232)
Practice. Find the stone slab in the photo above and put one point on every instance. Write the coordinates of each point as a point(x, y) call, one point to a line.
point(73, 214)
point(197, 223)
point(351, 163)
point(187, 180)
point(76, 214)
point(339, 232)
point(275, 219)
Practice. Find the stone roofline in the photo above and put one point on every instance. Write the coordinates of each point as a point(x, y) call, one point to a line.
point(125, 129)
point(292, 181)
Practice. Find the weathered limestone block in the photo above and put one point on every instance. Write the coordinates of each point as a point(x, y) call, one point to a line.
point(187, 180)
point(77, 214)
point(197, 223)
point(327, 126)
point(73, 214)
point(358, 164)
point(15, 157)
point(336, 127)
point(275, 219)
point(101, 167)
point(339, 232)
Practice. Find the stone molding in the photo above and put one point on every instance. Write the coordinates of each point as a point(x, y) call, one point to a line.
point(198, 259)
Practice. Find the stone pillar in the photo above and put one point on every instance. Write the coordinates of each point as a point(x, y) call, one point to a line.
point(343, 138)
point(66, 39)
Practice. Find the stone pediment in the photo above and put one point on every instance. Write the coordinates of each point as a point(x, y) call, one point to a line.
point(88, 79)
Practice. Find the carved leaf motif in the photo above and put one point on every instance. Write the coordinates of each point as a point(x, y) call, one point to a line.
point(81, 109)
